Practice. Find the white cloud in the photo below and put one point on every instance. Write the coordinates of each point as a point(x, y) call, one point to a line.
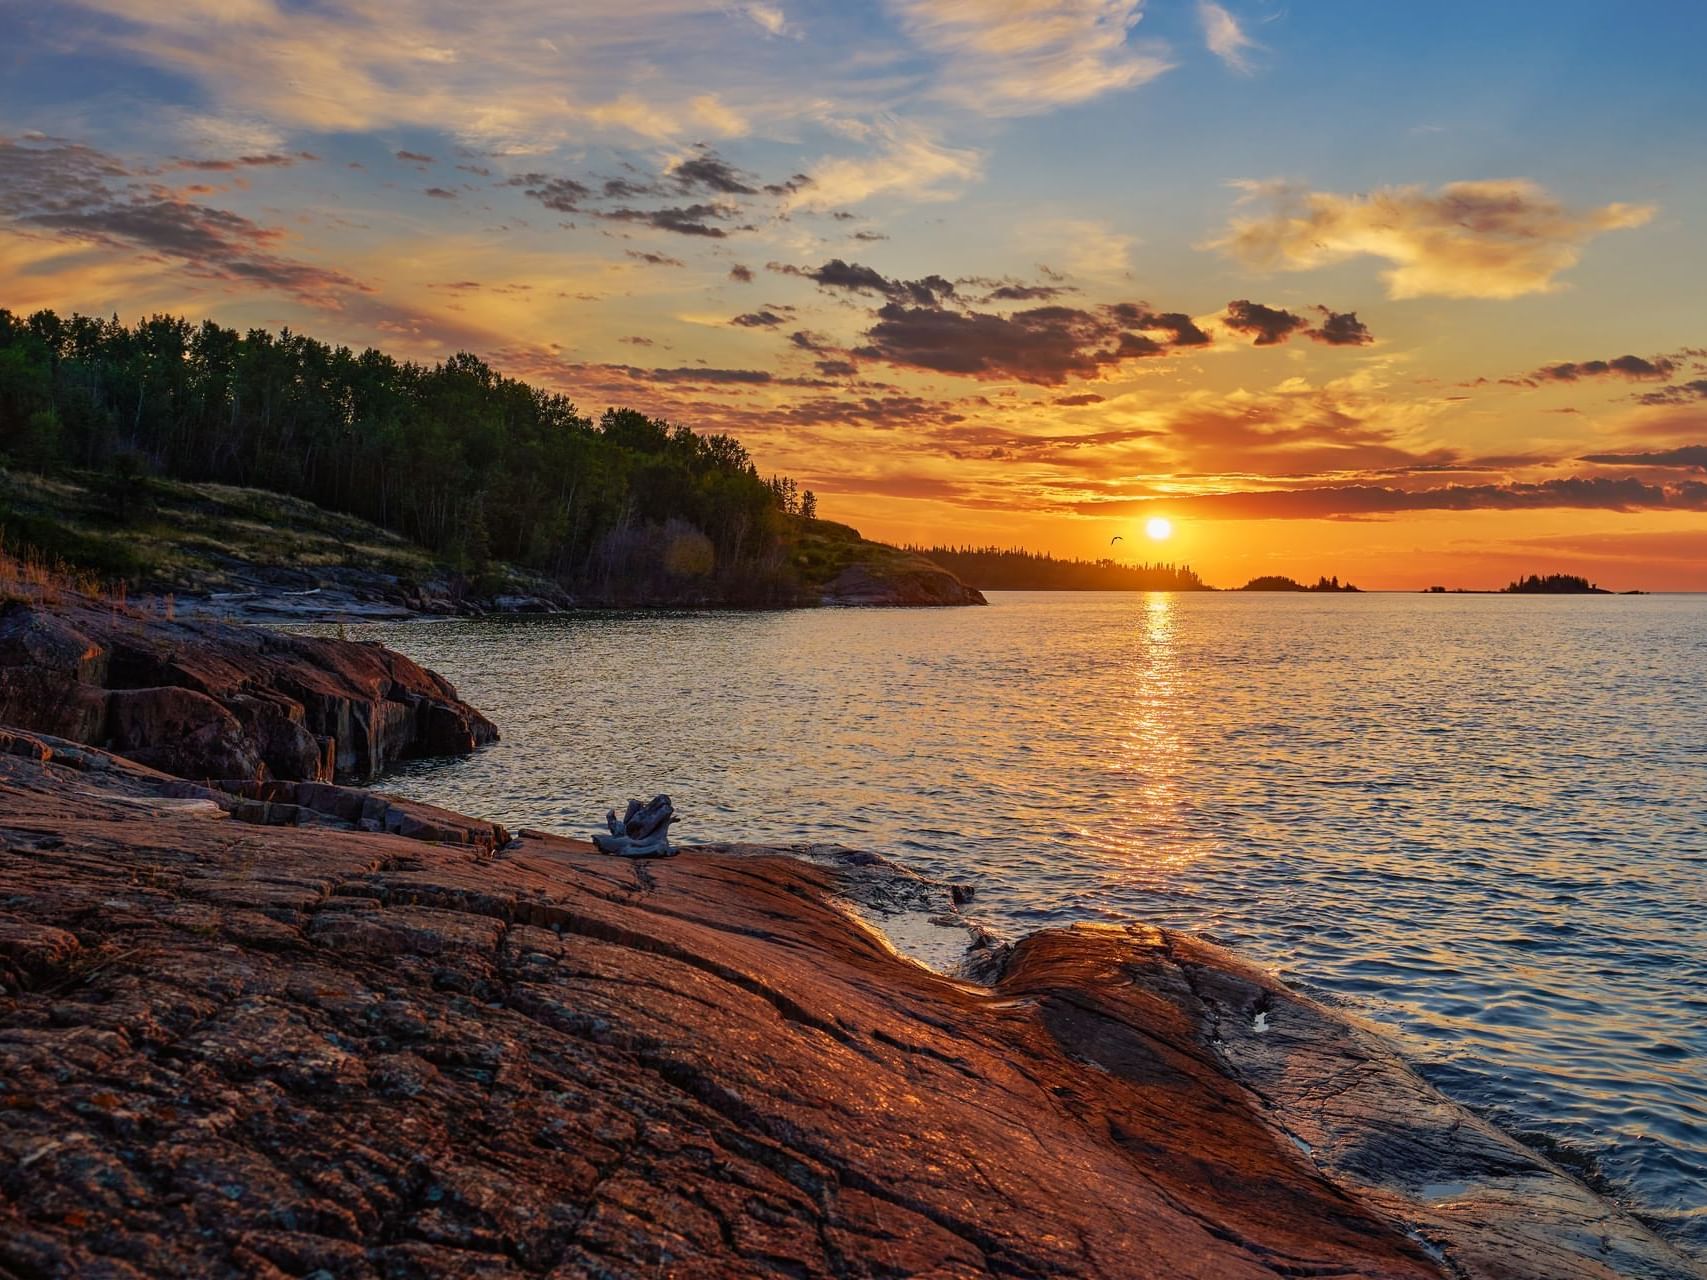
point(1089, 249)
point(769, 17)
point(907, 161)
point(1492, 239)
point(1016, 57)
point(1225, 38)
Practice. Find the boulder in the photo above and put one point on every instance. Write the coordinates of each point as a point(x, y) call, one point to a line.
point(293, 706)
point(913, 581)
point(180, 731)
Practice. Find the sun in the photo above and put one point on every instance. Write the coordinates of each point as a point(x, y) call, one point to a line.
point(1160, 528)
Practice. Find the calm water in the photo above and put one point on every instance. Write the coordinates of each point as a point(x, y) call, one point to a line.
point(1480, 821)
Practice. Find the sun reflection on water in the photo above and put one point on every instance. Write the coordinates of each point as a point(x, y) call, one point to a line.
point(1147, 769)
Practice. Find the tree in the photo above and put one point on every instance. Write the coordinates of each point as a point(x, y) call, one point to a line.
point(809, 505)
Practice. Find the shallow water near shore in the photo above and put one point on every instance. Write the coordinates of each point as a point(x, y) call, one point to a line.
point(1479, 821)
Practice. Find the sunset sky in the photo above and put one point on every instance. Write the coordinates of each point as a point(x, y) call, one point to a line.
point(1410, 294)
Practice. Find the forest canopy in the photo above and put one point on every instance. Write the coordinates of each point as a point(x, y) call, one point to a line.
point(469, 463)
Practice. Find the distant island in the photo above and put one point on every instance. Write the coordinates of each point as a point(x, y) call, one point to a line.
point(1554, 584)
point(1012, 569)
point(1277, 582)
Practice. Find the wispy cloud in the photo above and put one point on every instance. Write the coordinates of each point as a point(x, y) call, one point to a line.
point(769, 18)
point(905, 160)
point(1492, 239)
point(83, 194)
point(524, 75)
point(1603, 493)
point(1225, 37)
point(1014, 58)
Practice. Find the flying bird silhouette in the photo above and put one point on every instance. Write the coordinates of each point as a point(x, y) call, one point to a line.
point(1116, 538)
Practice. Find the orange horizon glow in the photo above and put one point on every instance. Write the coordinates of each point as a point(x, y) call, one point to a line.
point(1449, 338)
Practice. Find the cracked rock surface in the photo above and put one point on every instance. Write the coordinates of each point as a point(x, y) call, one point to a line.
point(232, 1045)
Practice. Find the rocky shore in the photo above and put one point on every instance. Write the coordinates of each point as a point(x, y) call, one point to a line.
point(290, 1028)
point(209, 699)
point(297, 1036)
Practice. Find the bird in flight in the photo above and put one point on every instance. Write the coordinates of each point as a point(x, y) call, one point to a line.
point(1116, 538)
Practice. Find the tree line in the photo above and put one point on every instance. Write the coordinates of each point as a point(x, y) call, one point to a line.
point(1012, 569)
point(469, 463)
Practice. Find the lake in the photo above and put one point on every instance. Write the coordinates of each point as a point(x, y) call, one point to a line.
point(1479, 821)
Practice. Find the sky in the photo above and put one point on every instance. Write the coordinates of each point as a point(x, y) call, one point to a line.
point(1407, 294)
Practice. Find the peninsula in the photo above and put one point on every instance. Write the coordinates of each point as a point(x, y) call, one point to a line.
point(267, 475)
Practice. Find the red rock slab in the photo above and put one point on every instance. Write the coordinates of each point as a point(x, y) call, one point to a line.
point(300, 1050)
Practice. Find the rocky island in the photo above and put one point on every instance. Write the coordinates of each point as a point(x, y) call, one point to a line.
point(268, 1025)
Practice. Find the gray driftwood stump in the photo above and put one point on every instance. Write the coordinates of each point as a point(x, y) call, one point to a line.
point(642, 832)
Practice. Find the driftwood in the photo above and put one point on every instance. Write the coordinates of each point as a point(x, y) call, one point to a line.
point(642, 832)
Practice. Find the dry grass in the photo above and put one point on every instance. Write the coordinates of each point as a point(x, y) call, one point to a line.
point(32, 578)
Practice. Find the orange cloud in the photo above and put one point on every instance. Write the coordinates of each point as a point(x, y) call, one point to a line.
point(1496, 239)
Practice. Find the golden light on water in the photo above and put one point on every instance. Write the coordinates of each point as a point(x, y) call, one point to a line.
point(1160, 528)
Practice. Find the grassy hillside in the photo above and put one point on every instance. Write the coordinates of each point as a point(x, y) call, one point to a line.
point(167, 536)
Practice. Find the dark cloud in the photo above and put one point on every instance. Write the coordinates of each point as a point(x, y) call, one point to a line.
point(441, 193)
point(688, 220)
point(816, 343)
point(623, 189)
point(1135, 315)
point(872, 411)
point(413, 157)
point(64, 187)
point(1084, 398)
point(721, 376)
point(852, 277)
point(562, 194)
point(1682, 393)
point(702, 173)
point(740, 274)
point(1044, 345)
point(837, 368)
point(708, 171)
point(479, 171)
point(635, 340)
point(654, 259)
point(1629, 368)
point(764, 319)
point(1026, 292)
point(1693, 456)
point(1341, 329)
point(271, 160)
point(869, 237)
point(1271, 325)
point(1327, 502)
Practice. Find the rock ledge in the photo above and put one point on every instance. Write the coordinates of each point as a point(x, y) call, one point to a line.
point(238, 1049)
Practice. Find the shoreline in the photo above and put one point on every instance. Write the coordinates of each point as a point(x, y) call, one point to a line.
point(1142, 1067)
point(296, 608)
point(406, 1001)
